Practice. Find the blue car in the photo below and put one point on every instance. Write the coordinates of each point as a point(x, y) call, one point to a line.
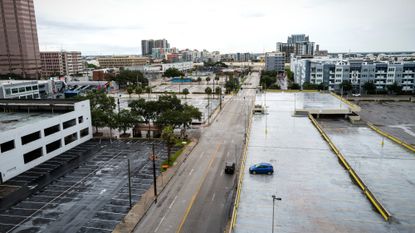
point(261, 168)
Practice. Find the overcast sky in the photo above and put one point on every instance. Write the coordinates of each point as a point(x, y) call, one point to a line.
point(118, 26)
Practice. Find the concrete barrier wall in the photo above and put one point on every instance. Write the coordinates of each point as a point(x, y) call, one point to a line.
point(378, 206)
point(392, 138)
point(353, 107)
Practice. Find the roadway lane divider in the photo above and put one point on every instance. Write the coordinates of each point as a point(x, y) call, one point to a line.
point(373, 200)
point(241, 174)
point(390, 137)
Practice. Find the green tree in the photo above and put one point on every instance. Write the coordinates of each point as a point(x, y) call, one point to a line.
point(148, 91)
point(208, 80)
point(199, 80)
point(173, 72)
point(394, 88)
point(294, 86)
point(232, 84)
point(170, 139)
point(310, 86)
point(111, 121)
point(138, 91)
point(185, 92)
point(126, 120)
point(145, 109)
point(100, 105)
point(126, 77)
point(346, 86)
point(369, 87)
point(130, 90)
point(218, 91)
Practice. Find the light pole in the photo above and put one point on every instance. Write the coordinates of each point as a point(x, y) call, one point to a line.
point(153, 158)
point(274, 198)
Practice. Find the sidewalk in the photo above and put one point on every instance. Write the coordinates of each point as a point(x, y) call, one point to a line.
point(129, 222)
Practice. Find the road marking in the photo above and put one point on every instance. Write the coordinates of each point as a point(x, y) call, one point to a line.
point(213, 198)
point(227, 155)
point(161, 221)
point(191, 171)
point(172, 202)
point(179, 229)
point(221, 173)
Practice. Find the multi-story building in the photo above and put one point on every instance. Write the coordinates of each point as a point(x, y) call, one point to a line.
point(274, 61)
point(19, 46)
point(61, 63)
point(333, 72)
point(32, 132)
point(297, 45)
point(147, 46)
point(122, 61)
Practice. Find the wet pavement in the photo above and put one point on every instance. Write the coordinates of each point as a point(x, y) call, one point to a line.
point(318, 101)
point(91, 198)
point(317, 192)
point(388, 169)
point(396, 118)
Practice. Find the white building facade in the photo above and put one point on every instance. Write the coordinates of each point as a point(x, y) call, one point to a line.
point(32, 132)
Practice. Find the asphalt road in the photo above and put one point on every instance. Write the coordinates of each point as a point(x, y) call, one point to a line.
point(199, 197)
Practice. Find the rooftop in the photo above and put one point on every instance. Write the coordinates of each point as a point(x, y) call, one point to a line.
point(14, 120)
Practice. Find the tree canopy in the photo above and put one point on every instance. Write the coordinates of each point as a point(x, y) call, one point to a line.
point(173, 72)
point(126, 77)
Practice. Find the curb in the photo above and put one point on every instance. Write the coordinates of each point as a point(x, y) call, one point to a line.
point(379, 207)
point(241, 175)
point(392, 138)
point(139, 210)
point(353, 107)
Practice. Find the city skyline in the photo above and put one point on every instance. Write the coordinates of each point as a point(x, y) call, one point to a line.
point(117, 27)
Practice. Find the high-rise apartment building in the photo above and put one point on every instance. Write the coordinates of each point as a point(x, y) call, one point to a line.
point(297, 45)
point(147, 46)
point(274, 61)
point(61, 63)
point(19, 46)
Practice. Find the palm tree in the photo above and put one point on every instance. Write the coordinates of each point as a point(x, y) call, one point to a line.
point(207, 80)
point(170, 139)
point(199, 79)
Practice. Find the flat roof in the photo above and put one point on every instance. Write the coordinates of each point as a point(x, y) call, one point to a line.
point(14, 120)
point(317, 193)
point(39, 101)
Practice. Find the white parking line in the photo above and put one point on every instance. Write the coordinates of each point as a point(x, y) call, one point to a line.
point(191, 171)
point(221, 173)
point(214, 195)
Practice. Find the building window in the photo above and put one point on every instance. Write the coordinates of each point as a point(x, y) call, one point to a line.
point(28, 88)
point(71, 138)
point(32, 155)
point(68, 124)
point(80, 120)
point(35, 88)
point(52, 130)
point(8, 92)
point(15, 90)
point(84, 132)
point(6, 146)
point(53, 146)
point(30, 137)
point(22, 89)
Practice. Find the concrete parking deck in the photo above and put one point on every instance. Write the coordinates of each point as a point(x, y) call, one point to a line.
point(317, 192)
point(387, 169)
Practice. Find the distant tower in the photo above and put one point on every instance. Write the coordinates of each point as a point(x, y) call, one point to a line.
point(19, 45)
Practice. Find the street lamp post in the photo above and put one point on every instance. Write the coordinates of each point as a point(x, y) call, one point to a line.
point(153, 158)
point(274, 198)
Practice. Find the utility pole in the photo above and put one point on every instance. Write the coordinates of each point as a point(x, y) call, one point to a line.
point(274, 198)
point(153, 157)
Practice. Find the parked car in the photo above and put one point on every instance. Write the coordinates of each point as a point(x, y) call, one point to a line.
point(261, 168)
point(229, 168)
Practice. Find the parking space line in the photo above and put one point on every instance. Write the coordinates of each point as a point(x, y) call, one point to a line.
point(213, 198)
point(161, 221)
point(191, 171)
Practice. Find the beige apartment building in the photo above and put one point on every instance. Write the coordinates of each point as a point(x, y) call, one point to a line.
point(19, 46)
point(59, 63)
point(122, 61)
